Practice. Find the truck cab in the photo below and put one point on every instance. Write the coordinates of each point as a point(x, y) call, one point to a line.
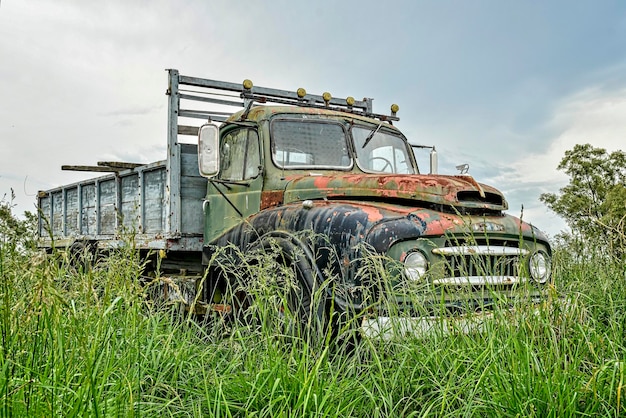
point(346, 187)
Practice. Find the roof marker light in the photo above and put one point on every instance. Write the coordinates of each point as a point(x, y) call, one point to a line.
point(350, 101)
point(247, 84)
point(301, 92)
point(326, 96)
point(394, 109)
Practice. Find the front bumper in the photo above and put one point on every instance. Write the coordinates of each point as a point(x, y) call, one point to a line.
point(391, 328)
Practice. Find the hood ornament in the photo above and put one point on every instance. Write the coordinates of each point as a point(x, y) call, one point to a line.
point(463, 168)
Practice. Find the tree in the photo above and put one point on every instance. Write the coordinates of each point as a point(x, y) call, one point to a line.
point(16, 234)
point(594, 202)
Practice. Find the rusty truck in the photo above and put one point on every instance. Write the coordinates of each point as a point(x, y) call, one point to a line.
point(324, 181)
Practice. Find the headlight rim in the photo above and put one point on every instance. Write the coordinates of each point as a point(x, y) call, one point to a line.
point(424, 270)
point(535, 270)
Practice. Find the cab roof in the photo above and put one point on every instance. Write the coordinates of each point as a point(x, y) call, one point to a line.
point(262, 113)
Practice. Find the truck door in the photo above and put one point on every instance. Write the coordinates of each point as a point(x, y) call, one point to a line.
point(235, 193)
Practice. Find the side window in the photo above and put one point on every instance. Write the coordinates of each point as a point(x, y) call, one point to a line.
point(239, 154)
point(402, 161)
point(253, 156)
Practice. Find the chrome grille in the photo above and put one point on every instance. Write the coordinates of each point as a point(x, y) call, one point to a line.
point(479, 265)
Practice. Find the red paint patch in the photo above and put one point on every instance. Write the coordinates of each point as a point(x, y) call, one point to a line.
point(373, 214)
point(442, 225)
point(322, 182)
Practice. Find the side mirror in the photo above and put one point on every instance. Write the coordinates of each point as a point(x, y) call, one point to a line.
point(208, 150)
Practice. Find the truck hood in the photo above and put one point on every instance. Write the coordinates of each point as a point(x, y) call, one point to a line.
point(457, 191)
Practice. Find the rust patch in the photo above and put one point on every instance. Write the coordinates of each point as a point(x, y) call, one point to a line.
point(221, 308)
point(439, 225)
point(373, 213)
point(322, 182)
point(425, 188)
point(521, 225)
point(271, 198)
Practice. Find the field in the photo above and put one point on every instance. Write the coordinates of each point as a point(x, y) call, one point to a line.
point(90, 343)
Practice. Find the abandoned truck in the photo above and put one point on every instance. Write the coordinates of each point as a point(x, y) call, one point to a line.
point(331, 185)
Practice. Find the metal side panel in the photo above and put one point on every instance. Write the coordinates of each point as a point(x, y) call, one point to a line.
point(107, 200)
point(57, 214)
point(44, 215)
point(193, 190)
point(154, 201)
point(130, 203)
point(88, 222)
point(71, 211)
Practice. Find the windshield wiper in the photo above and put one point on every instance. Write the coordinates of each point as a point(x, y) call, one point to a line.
point(371, 135)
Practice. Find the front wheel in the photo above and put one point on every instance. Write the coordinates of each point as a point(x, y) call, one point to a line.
point(277, 291)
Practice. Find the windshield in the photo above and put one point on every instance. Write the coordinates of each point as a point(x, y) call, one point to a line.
point(309, 143)
point(380, 151)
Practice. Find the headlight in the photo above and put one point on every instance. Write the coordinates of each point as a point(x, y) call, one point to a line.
point(540, 267)
point(415, 265)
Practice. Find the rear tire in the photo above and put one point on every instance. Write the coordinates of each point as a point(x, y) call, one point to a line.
point(81, 256)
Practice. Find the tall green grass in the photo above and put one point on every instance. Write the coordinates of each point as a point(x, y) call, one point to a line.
point(89, 342)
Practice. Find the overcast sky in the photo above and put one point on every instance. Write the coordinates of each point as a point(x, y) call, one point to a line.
point(507, 87)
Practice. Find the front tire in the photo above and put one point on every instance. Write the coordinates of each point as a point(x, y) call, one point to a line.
point(277, 290)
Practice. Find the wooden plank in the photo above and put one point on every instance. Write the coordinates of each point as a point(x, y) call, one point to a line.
point(90, 168)
point(119, 164)
point(187, 130)
point(108, 206)
point(71, 211)
point(89, 222)
point(130, 207)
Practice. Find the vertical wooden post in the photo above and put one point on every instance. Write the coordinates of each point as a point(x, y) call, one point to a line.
point(172, 192)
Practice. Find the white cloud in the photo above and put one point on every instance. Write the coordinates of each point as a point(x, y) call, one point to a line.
point(592, 116)
point(595, 116)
